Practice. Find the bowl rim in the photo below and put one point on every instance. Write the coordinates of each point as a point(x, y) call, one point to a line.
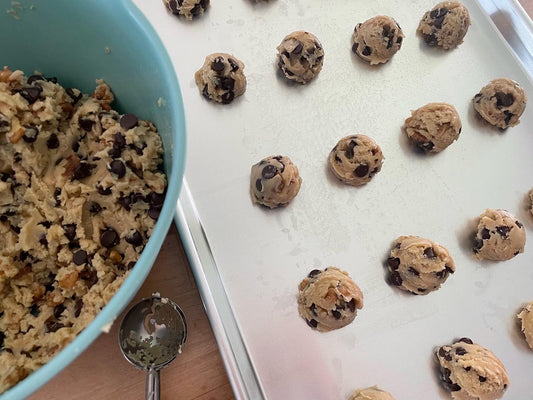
point(103, 321)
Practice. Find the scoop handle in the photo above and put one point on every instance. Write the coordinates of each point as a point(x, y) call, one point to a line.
point(152, 384)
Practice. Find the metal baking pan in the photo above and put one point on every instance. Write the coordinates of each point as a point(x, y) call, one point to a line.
point(248, 260)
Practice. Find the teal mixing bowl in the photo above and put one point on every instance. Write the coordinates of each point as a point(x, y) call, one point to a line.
point(78, 42)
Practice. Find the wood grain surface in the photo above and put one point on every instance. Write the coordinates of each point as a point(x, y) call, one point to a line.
point(101, 372)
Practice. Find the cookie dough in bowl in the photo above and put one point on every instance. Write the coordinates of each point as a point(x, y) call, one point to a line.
point(300, 56)
point(329, 299)
point(221, 78)
point(501, 103)
point(471, 372)
point(419, 265)
point(274, 181)
point(433, 127)
point(526, 319)
point(445, 25)
point(371, 393)
point(355, 159)
point(499, 237)
point(82, 188)
point(378, 39)
point(188, 9)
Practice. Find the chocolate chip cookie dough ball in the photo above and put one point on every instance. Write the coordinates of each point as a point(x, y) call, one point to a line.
point(274, 181)
point(445, 25)
point(526, 319)
point(371, 393)
point(187, 8)
point(300, 56)
point(471, 372)
point(419, 265)
point(329, 299)
point(221, 78)
point(500, 236)
point(501, 103)
point(433, 127)
point(376, 40)
point(355, 159)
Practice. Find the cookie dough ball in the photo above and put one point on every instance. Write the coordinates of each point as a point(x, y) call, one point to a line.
point(445, 25)
point(376, 40)
point(187, 8)
point(300, 56)
point(526, 318)
point(274, 181)
point(501, 103)
point(221, 78)
point(329, 299)
point(355, 159)
point(371, 393)
point(471, 372)
point(500, 236)
point(419, 265)
point(434, 126)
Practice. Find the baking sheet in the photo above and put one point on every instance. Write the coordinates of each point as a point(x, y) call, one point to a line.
point(261, 255)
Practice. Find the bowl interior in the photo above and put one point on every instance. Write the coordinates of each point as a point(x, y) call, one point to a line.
point(79, 42)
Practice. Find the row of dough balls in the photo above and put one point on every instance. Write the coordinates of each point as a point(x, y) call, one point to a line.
point(300, 55)
point(329, 299)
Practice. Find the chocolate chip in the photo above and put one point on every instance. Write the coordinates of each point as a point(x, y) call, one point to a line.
point(503, 231)
point(103, 191)
point(118, 168)
point(52, 79)
point(312, 308)
point(114, 152)
point(438, 22)
point(89, 275)
point(135, 239)
point(442, 352)
point(30, 133)
point(312, 323)
point(79, 257)
point(42, 240)
point(465, 340)
point(354, 47)
point(154, 212)
point(508, 116)
point(314, 273)
point(196, 10)
point(218, 64)
point(34, 310)
point(485, 233)
point(78, 305)
point(34, 78)
point(336, 314)
point(227, 97)
point(73, 95)
point(367, 51)
point(454, 387)
point(234, 65)
point(52, 142)
point(361, 170)
point(460, 351)
point(94, 207)
point(414, 271)
point(517, 223)
point(57, 193)
point(138, 150)
point(393, 262)
point(445, 375)
point(351, 305)
point(31, 93)
point(298, 49)
point(504, 99)
point(429, 252)
point(70, 231)
point(482, 378)
point(52, 325)
point(82, 170)
point(395, 278)
point(109, 238)
point(431, 39)
point(128, 121)
point(269, 172)
point(86, 124)
point(227, 83)
point(119, 140)
point(58, 310)
point(468, 368)
point(157, 199)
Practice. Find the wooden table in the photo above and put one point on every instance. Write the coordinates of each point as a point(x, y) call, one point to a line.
point(101, 372)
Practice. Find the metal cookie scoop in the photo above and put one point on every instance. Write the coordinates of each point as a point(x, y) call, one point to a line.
point(151, 335)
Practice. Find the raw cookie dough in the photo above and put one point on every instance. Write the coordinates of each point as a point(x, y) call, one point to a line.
point(187, 8)
point(221, 78)
point(274, 181)
point(471, 372)
point(80, 192)
point(371, 393)
point(433, 127)
point(445, 25)
point(419, 265)
point(300, 56)
point(501, 103)
point(355, 159)
point(500, 236)
point(526, 318)
point(329, 299)
point(376, 40)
